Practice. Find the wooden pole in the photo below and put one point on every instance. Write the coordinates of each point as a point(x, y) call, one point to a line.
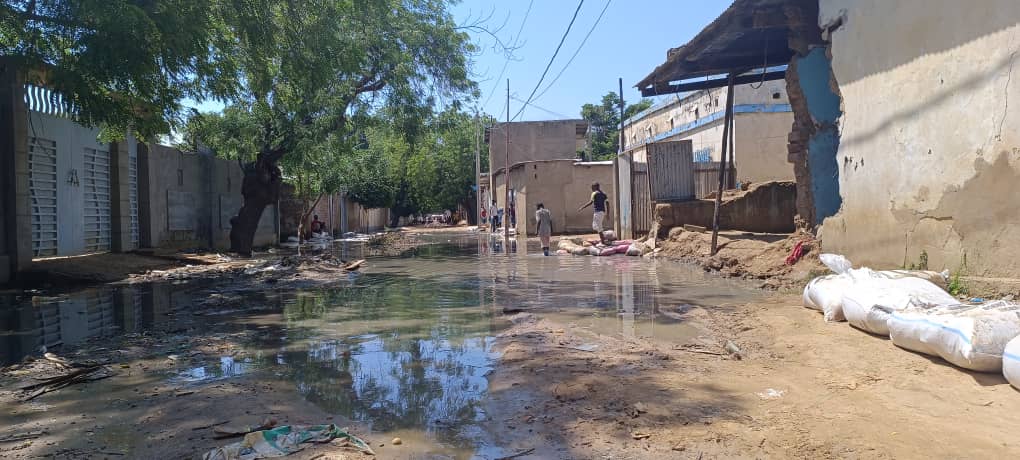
point(722, 162)
point(506, 170)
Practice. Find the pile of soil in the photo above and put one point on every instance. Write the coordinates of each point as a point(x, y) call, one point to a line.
point(748, 255)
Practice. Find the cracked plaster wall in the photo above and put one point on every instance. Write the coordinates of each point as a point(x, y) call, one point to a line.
point(929, 156)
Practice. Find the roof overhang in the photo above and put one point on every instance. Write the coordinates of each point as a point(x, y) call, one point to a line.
point(750, 34)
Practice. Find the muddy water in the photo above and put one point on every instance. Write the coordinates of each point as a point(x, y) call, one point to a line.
point(404, 346)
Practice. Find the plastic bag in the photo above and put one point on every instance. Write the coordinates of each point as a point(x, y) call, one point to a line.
point(970, 336)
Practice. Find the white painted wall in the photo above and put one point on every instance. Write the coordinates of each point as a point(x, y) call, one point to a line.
point(930, 147)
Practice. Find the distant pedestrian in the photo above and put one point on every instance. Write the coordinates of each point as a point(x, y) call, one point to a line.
point(600, 204)
point(512, 211)
point(544, 219)
point(493, 217)
point(316, 224)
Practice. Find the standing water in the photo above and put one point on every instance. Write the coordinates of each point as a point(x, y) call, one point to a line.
point(404, 346)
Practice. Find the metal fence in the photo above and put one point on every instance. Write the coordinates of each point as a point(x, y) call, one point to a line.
point(706, 178)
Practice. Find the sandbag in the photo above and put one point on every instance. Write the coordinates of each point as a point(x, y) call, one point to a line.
point(825, 293)
point(634, 250)
point(970, 336)
point(873, 297)
point(1011, 362)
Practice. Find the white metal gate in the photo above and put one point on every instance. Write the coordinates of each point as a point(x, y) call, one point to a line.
point(133, 193)
point(42, 188)
point(96, 214)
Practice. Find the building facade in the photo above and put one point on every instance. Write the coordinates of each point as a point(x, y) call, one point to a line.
point(762, 119)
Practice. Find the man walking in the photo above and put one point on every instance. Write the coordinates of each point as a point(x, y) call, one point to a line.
point(600, 204)
point(493, 217)
point(544, 219)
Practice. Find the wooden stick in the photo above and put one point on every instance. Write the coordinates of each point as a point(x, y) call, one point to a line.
point(519, 454)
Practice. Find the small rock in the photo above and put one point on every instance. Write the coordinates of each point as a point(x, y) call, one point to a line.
point(396, 441)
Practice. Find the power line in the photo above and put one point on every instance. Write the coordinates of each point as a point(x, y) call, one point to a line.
point(507, 61)
point(553, 58)
point(550, 112)
point(576, 52)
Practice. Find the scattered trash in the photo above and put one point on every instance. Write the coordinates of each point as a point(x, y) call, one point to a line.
point(589, 347)
point(798, 252)
point(22, 436)
point(639, 435)
point(354, 265)
point(513, 310)
point(733, 349)
point(771, 393)
point(232, 431)
point(72, 373)
point(396, 441)
point(285, 440)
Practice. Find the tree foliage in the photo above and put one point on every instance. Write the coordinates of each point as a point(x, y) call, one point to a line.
point(122, 64)
point(604, 123)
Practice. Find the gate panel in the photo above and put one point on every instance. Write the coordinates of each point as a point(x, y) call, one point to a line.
point(42, 188)
point(96, 215)
point(642, 209)
point(671, 170)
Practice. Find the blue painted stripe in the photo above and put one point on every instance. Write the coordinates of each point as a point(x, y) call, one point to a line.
point(1011, 356)
point(713, 117)
point(940, 326)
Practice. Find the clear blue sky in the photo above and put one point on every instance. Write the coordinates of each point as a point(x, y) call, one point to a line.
point(630, 40)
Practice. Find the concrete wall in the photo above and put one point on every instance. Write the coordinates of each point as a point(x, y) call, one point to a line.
point(562, 186)
point(186, 200)
point(536, 140)
point(359, 219)
point(16, 229)
point(759, 145)
point(766, 207)
point(929, 155)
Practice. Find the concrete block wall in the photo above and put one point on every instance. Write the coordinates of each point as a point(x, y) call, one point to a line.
point(766, 207)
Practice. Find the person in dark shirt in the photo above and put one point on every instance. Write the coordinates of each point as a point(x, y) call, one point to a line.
point(600, 204)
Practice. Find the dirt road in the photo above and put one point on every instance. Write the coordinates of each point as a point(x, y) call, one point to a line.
point(804, 389)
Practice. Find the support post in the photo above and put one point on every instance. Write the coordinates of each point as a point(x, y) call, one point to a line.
point(722, 162)
point(478, 174)
point(506, 170)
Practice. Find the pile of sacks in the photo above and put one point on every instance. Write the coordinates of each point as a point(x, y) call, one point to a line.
point(580, 247)
point(912, 308)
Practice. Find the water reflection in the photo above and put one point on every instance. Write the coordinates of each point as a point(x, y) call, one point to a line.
point(31, 324)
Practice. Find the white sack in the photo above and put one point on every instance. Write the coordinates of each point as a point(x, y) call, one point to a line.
point(1011, 362)
point(970, 336)
point(873, 297)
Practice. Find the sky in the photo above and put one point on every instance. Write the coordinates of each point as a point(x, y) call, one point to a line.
point(628, 42)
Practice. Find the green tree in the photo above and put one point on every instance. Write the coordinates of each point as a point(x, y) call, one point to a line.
point(313, 69)
point(604, 123)
point(121, 64)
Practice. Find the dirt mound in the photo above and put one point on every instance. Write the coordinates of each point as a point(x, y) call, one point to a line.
point(748, 255)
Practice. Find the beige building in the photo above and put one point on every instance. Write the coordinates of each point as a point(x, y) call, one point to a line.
point(536, 140)
point(762, 120)
point(562, 186)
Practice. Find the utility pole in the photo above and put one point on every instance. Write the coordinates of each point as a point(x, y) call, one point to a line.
point(727, 120)
point(506, 170)
point(478, 174)
point(630, 170)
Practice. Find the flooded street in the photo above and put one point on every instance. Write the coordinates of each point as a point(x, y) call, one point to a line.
point(403, 347)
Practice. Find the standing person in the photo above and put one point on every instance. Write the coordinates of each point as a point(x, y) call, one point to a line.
point(544, 219)
point(600, 204)
point(512, 210)
point(493, 218)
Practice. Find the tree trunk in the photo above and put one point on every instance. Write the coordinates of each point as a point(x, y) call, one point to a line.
point(260, 188)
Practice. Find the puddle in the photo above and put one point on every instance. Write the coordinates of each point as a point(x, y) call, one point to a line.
point(404, 346)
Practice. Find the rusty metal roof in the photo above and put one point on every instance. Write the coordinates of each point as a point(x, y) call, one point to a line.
point(750, 34)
